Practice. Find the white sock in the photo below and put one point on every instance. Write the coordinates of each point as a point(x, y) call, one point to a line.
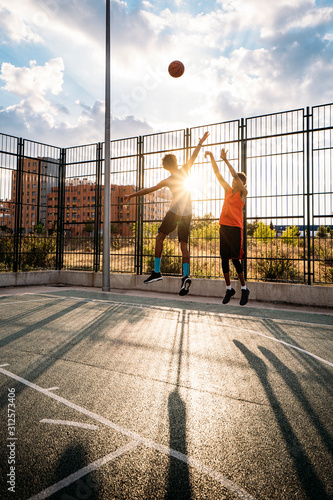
point(244, 287)
point(229, 287)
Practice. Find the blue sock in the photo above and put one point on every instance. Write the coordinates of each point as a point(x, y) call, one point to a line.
point(157, 265)
point(186, 269)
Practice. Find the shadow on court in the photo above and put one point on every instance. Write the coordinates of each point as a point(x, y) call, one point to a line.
point(311, 483)
point(179, 486)
point(56, 320)
point(72, 460)
point(318, 370)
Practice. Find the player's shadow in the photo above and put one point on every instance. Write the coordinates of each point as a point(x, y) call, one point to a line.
point(312, 485)
point(73, 460)
point(295, 387)
point(179, 487)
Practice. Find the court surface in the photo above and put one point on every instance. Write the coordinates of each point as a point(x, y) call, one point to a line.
point(123, 396)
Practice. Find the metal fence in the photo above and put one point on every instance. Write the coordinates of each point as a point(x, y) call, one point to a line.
point(51, 200)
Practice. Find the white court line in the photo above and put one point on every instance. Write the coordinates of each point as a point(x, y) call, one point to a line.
point(29, 301)
point(83, 472)
point(284, 343)
point(70, 423)
point(224, 481)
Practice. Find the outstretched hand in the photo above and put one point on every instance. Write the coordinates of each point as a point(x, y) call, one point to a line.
point(223, 155)
point(208, 153)
point(204, 137)
point(127, 197)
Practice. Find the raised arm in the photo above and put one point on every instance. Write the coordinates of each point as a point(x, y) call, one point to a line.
point(143, 192)
point(233, 172)
point(219, 177)
point(195, 153)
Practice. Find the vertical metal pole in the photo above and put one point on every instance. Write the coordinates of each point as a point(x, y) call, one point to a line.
point(61, 211)
point(18, 205)
point(97, 226)
point(308, 215)
point(107, 187)
point(244, 169)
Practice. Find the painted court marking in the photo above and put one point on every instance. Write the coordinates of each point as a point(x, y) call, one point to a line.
point(136, 440)
point(83, 472)
point(70, 423)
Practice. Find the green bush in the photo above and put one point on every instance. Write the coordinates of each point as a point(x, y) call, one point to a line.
point(291, 235)
point(37, 253)
point(323, 232)
point(6, 252)
point(170, 262)
point(276, 267)
point(264, 232)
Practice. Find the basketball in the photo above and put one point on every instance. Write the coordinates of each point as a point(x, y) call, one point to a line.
point(176, 69)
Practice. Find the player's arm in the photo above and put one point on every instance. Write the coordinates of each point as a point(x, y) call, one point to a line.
point(233, 172)
point(195, 153)
point(143, 192)
point(218, 174)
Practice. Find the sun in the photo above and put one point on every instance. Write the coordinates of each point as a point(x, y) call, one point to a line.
point(193, 183)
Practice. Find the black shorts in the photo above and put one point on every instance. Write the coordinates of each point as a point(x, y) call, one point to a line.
point(231, 242)
point(170, 223)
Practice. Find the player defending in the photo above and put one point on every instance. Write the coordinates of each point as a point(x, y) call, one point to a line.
point(231, 226)
point(179, 213)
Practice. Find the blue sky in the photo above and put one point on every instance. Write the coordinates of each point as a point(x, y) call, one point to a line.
point(242, 58)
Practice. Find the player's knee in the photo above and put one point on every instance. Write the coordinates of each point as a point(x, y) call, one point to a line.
point(160, 236)
point(225, 266)
point(238, 266)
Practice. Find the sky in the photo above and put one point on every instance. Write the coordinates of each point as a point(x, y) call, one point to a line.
point(242, 58)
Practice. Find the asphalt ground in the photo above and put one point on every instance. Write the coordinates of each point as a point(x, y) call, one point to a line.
point(145, 396)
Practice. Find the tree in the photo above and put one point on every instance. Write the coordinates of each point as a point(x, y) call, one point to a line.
point(291, 235)
point(251, 227)
point(39, 228)
point(89, 226)
point(264, 232)
point(323, 231)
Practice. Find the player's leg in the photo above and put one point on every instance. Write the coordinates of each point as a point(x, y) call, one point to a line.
point(183, 235)
point(169, 223)
point(225, 251)
point(245, 291)
point(230, 292)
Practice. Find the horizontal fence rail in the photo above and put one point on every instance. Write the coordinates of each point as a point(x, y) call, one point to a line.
point(51, 200)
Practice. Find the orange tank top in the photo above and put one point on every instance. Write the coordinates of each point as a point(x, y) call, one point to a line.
point(232, 210)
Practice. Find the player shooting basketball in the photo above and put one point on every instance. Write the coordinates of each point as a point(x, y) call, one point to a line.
point(231, 226)
point(179, 214)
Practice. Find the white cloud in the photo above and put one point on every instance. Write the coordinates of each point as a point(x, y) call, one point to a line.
point(35, 80)
point(15, 28)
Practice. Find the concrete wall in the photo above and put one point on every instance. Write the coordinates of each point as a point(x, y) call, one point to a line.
point(314, 295)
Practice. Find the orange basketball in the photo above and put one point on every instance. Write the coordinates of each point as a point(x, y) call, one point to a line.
point(176, 69)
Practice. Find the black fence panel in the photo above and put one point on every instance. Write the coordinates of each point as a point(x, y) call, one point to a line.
point(321, 190)
point(52, 199)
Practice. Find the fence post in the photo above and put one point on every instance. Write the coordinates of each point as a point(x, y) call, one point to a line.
point(18, 205)
point(139, 206)
point(307, 163)
point(97, 225)
point(243, 166)
point(61, 210)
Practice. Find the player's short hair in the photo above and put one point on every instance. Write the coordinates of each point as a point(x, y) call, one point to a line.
point(242, 177)
point(169, 159)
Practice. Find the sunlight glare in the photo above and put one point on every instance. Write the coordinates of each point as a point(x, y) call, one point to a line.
point(193, 184)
